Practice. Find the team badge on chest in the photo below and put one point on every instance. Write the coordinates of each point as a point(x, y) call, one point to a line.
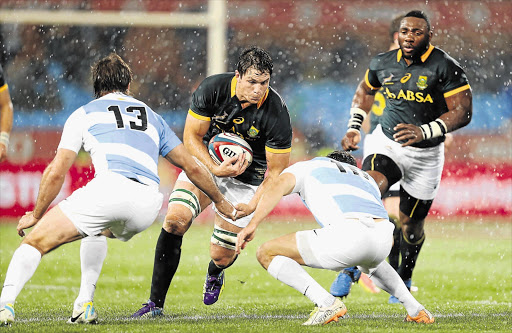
point(422, 82)
point(253, 132)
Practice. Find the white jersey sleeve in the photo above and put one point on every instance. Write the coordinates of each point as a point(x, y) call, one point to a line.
point(72, 134)
point(299, 170)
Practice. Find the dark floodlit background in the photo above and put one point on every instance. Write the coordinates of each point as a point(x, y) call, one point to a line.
point(321, 50)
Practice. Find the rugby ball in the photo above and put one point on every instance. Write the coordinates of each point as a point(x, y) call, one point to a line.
point(226, 145)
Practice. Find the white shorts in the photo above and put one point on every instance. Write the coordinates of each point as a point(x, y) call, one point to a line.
point(112, 201)
point(235, 191)
point(367, 141)
point(352, 242)
point(421, 167)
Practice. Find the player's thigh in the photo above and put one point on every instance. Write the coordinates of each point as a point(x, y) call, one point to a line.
point(53, 230)
point(236, 192)
point(282, 246)
point(186, 202)
point(423, 170)
point(336, 247)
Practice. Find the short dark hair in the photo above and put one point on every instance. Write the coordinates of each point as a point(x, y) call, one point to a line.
point(343, 156)
point(111, 74)
point(254, 57)
point(395, 26)
point(419, 14)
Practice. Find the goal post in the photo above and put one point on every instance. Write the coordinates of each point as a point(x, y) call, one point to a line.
point(214, 21)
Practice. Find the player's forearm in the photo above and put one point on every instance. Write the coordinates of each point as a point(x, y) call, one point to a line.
point(196, 147)
point(460, 112)
point(198, 173)
point(363, 98)
point(269, 200)
point(51, 184)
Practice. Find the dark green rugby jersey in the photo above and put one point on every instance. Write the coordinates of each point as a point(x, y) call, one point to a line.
point(3, 85)
point(415, 94)
point(265, 126)
point(377, 110)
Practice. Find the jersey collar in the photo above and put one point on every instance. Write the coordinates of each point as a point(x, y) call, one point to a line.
point(233, 91)
point(423, 57)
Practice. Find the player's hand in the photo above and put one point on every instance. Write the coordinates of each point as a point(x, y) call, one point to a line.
point(3, 152)
point(27, 221)
point(232, 167)
point(350, 140)
point(245, 236)
point(409, 133)
point(243, 210)
point(226, 208)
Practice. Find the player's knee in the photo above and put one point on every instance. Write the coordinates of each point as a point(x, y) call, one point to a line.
point(263, 254)
point(176, 224)
point(37, 245)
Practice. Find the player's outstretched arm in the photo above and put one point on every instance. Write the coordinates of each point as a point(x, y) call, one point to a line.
point(282, 186)
point(276, 163)
point(201, 177)
point(51, 184)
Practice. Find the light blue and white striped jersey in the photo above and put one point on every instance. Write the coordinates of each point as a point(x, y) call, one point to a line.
point(122, 134)
point(332, 190)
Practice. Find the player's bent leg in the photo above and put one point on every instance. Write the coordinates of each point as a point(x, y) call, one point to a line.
point(185, 203)
point(53, 230)
point(282, 259)
point(413, 212)
point(386, 278)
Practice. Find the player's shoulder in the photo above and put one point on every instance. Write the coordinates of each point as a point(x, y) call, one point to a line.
point(275, 100)
point(384, 59)
point(443, 58)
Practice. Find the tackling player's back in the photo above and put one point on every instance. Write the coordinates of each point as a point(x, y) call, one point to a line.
point(333, 189)
point(122, 134)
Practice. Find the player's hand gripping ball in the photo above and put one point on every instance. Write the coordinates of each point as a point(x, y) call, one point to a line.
point(226, 145)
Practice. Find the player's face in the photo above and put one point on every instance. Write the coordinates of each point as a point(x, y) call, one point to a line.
point(252, 85)
point(413, 37)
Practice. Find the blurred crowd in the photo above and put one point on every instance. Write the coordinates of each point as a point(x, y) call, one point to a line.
point(48, 67)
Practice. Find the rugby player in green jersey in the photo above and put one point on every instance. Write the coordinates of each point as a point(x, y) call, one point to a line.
point(242, 103)
point(427, 95)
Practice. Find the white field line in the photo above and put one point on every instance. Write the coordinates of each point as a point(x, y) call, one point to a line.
point(266, 317)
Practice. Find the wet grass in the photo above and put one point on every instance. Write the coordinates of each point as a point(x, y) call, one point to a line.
point(464, 276)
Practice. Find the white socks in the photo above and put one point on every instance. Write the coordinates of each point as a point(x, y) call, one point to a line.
point(21, 268)
point(386, 278)
point(93, 250)
point(291, 273)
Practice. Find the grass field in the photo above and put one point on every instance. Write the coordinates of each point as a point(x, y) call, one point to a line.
point(464, 276)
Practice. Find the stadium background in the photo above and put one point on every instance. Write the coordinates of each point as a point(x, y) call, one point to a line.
point(320, 50)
